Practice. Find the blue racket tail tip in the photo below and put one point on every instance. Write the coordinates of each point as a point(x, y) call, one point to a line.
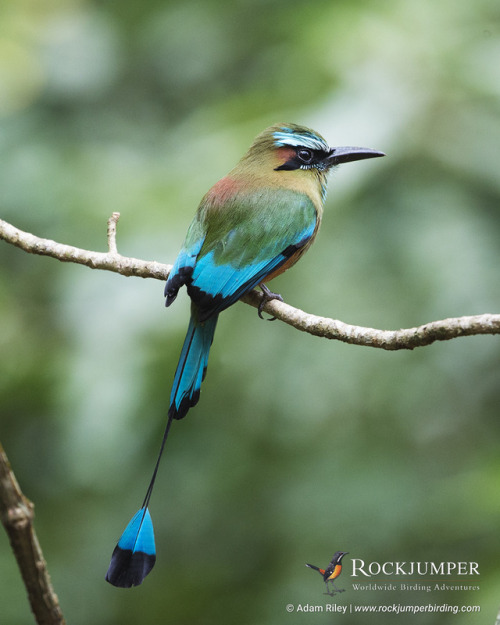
point(135, 555)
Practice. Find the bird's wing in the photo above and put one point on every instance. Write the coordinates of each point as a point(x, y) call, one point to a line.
point(250, 239)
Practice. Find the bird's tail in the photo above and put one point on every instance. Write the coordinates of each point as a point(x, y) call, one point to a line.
point(134, 555)
point(192, 365)
point(311, 566)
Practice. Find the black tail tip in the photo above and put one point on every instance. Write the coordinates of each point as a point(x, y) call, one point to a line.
point(128, 568)
point(186, 403)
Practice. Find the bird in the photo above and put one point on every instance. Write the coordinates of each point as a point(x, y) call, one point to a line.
point(331, 572)
point(251, 226)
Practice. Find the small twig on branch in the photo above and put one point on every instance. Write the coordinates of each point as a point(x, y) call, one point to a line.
point(420, 336)
point(16, 513)
point(112, 222)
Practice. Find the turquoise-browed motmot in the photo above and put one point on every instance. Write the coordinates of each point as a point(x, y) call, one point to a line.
point(251, 226)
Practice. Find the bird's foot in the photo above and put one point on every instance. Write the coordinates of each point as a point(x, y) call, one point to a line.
point(267, 296)
point(333, 591)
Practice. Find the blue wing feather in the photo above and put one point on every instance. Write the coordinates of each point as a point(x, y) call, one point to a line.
point(220, 285)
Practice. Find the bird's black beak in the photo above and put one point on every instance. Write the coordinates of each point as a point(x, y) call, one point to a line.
point(347, 154)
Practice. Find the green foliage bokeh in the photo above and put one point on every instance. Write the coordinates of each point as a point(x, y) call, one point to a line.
point(299, 447)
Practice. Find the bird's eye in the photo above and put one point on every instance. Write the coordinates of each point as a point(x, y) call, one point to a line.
point(306, 156)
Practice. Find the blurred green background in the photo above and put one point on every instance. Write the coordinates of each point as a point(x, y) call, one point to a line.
point(299, 446)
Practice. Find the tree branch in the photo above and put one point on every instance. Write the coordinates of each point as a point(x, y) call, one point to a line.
point(16, 512)
point(390, 340)
point(111, 261)
point(324, 327)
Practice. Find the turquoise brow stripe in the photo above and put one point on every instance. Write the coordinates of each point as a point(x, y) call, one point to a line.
point(287, 137)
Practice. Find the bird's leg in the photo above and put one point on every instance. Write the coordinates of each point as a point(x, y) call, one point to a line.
point(267, 296)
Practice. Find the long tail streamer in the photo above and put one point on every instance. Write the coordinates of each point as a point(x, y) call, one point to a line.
point(135, 554)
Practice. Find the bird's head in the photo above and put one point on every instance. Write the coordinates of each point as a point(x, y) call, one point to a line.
point(295, 157)
point(293, 148)
point(337, 558)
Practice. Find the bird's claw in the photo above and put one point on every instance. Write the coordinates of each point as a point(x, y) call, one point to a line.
point(333, 591)
point(267, 296)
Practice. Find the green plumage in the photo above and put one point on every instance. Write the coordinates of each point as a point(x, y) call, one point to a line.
point(252, 227)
